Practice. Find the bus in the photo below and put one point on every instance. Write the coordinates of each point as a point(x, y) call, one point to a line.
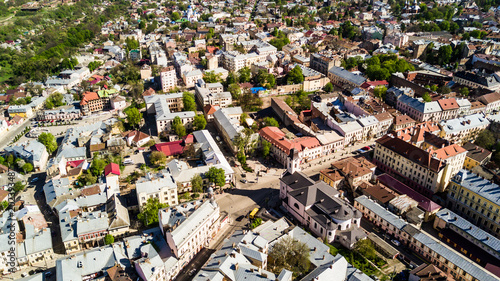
point(253, 213)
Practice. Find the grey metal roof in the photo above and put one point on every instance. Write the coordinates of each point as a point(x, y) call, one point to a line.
point(478, 185)
point(449, 254)
point(349, 76)
point(381, 212)
point(229, 123)
point(470, 229)
point(464, 123)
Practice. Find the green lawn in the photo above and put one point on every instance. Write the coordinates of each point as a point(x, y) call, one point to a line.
point(355, 259)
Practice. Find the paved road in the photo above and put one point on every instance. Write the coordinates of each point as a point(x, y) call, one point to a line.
point(7, 137)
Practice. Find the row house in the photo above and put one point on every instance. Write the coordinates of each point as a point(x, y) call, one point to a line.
point(345, 79)
point(418, 109)
point(451, 262)
point(476, 199)
point(59, 114)
point(463, 129)
point(492, 101)
point(449, 107)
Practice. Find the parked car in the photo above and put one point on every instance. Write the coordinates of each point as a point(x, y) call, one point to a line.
point(192, 272)
point(243, 175)
point(34, 180)
point(243, 180)
point(240, 218)
point(24, 274)
point(396, 242)
point(48, 274)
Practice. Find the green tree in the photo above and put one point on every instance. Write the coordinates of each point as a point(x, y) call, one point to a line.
point(244, 75)
point(266, 148)
point(18, 187)
point(464, 91)
point(444, 54)
point(242, 158)
point(87, 179)
point(97, 165)
point(4, 205)
point(270, 122)
point(256, 222)
point(444, 90)
point(177, 127)
point(188, 101)
point(212, 77)
point(486, 139)
point(10, 160)
point(134, 117)
point(295, 76)
point(235, 90)
point(291, 254)
point(328, 87)
point(199, 122)
point(27, 167)
point(149, 214)
point(197, 183)
point(265, 79)
point(427, 97)
point(380, 92)
point(157, 158)
point(216, 176)
point(49, 141)
point(109, 239)
point(175, 16)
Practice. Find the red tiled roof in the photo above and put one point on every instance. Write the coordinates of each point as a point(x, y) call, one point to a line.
point(423, 202)
point(209, 109)
point(112, 168)
point(188, 139)
point(170, 148)
point(88, 96)
point(368, 84)
point(277, 138)
point(448, 104)
point(149, 92)
point(138, 135)
point(74, 164)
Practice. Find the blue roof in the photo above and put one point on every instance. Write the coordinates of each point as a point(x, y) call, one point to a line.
point(478, 185)
point(257, 90)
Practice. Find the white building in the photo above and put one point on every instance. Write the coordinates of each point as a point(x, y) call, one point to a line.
point(463, 129)
point(160, 105)
point(189, 227)
point(160, 186)
point(168, 79)
point(212, 93)
point(190, 77)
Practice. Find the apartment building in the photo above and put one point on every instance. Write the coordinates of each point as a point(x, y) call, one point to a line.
point(477, 79)
point(90, 103)
point(234, 61)
point(318, 206)
point(313, 80)
point(168, 79)
point(324, 61)
point(492, 101)
point(189, 227)
point(163, 106)
point(32, 152)
point(427, 171)
point(450, 108)
point(418, 109)
point(345, 79)
point(464, 236)
point(160, 186)
point(190, 77)
point(451, 262)
point(212, 94)
point(227, 121)
point(291, 152)
point(476, 199)
point(463, 129)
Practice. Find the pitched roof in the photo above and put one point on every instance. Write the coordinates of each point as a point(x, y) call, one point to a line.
point(476, 152)
point(170, 148)
point(112, 168)
point(277, 138)
point(403, 119)
point(448, 104)
point(88, 96)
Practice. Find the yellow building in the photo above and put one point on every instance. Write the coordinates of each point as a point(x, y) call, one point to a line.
point(24, 111)
point(476, 156)
point(475, 199)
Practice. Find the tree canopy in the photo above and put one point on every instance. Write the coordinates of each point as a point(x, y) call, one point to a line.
point(295, 76)
point(216, 176)
point(134, 117)
point(149, 214)
point(291, 254)
point(177, 127)
point(188, 101)
point(49, 141)
point(199, 122)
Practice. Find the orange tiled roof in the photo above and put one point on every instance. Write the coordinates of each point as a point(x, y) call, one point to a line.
point(448, 104)
point(277, 138)
point(88, 96)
